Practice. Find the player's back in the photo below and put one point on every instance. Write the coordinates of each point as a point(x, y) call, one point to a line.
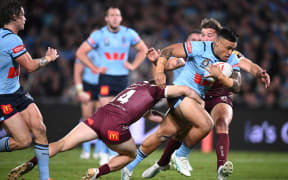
point(135, 100)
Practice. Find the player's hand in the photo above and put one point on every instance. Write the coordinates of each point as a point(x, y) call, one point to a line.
point(51, 54)
point(153, 55)
point(99, 70)
point(83, 96)
point(214, 71)
point(264, 77)
point(128, 66)
point(160, 79)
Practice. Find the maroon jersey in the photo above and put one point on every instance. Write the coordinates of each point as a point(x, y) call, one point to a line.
point(135, 100)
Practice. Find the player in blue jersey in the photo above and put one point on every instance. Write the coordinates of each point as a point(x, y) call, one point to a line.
point(19, 115)
point(112, 42)
point(199, 57)
point(87, 87)
point(218, 103)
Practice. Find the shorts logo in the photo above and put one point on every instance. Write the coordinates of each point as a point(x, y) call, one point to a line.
point(189, 47)
point(18, 49)
point(90, 121)
point(113, 135)
point(6, 109)
point(104, 90)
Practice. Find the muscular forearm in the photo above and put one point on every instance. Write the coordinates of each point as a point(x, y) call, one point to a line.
point(233, 83)
point(161, 64)
point(138, 59)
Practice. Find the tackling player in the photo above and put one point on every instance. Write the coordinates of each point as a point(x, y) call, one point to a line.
point(19, 114)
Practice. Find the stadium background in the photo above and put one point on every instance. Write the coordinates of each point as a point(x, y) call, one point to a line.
point(260, 114)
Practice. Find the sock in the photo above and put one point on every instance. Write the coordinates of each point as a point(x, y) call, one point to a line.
point(183, 151)
point(139, 158)
point(97, 145)
point(4, 144)
point(102, 147)
point(34, 161)
point(171, 146)
point(104, 169)
point(86, 146)
point(222, 148)
point(42, 155)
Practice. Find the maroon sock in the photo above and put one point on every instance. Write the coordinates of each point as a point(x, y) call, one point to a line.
point(34, 161)
point(222, 148)
point(171, 146)
point(104, 169)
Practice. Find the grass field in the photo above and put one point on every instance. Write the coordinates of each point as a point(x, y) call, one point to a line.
point(247, 166)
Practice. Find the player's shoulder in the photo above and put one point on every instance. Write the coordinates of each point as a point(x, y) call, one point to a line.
point(125, 29)
point(6, 34)
point(238, 54)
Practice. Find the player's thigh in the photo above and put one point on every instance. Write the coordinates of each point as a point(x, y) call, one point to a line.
point(80, 133)
point(87, 109)
point(222, 112)
point(17, 127)
point(168, 127)
point(33, 117)
point(126, 148)
point(191, 111)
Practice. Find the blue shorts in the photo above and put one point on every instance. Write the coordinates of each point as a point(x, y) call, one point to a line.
point(92, 89)
point(112, 85)
point(11, 104)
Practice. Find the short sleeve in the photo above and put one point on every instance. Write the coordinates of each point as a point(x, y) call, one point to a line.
point(234, 62)
point(194, 48)
point(133, 37)
point(93, 39)
point(157, 92)
point(16, 46)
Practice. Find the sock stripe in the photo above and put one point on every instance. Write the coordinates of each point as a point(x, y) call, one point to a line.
point(40, 148)
point(7, 144)
point(141, 153)
point(41, 145)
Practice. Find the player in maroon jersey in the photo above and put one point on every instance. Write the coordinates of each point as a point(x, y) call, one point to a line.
point(111, 124)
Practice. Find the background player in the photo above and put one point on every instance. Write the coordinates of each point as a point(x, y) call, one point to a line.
point(112, 43)
point(19, 114)
point(111, 124)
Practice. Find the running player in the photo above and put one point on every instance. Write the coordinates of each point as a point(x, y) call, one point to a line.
point(219, 103)
point(111, 124)
point(19, 114)
point(87, 87)
point(199, 56)
point(112, 43)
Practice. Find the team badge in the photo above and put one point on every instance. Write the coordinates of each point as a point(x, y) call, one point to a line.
point(106, 41)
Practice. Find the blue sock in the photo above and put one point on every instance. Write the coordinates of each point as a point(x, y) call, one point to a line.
point(183, 151)
point(139, 158)
point(97, 145)
point(102, 147)
point(4, 144)
point(42, 155)
point(86, 146)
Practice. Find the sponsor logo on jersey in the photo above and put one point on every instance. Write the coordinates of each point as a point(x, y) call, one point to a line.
point(6, 109)
point(113, 135)
point(189, 47)
point(106, 41)
point(90, 121)
point(18, 49)
point(205, 62)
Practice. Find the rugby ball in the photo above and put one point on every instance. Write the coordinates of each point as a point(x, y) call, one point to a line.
point(225, 68)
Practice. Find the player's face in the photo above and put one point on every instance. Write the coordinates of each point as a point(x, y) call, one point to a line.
point(208, 34)
point(20, 20)
point(223, 48)
point(113, 18)
point(194, 37)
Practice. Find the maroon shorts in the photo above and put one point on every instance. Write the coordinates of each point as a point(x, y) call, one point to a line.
point(211, 101)
point(110, 126)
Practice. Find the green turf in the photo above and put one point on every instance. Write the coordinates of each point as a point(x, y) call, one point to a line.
point(247, 166)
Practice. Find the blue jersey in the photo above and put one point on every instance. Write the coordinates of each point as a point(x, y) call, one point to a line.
point(200, 55)
point(176, 72)
point(11, 47)
point(88, 76)
point(113, 48)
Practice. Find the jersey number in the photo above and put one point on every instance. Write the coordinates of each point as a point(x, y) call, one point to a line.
point(125, 97)
point(13, 72)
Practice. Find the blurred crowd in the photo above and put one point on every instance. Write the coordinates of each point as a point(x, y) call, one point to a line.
point(261, 24)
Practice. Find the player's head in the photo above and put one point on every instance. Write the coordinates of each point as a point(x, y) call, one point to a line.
point(225, 43)
point(113, 17)
point(210, 27)
point(12, 12)
point(194, 35)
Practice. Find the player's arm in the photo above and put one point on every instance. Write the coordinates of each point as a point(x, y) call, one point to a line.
point(82, 55)
point(255, 70)
point(140, 56)
point(78, 71)
point(175, 50)
point(172, 91)
point(34, 64)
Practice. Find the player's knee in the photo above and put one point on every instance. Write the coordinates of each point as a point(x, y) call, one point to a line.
point(24, 142)
point(221, 124)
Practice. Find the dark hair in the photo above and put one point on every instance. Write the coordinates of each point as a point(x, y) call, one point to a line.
point(211, 23)
point(194, 31)
point(228, 34)
point(8, 9)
